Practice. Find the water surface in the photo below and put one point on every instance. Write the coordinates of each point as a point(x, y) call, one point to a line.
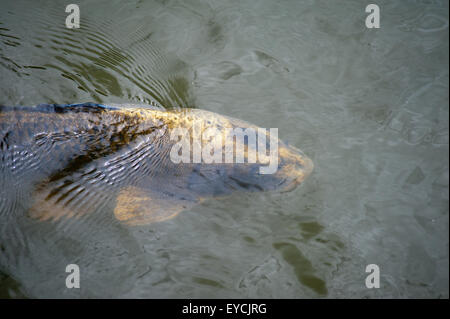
point(370, 107)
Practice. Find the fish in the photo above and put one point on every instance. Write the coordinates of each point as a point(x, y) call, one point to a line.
point(75, 159)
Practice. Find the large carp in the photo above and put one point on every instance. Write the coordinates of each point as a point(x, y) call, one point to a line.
point(74, 158)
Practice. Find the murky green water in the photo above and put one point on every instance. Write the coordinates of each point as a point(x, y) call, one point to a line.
point(370, 107)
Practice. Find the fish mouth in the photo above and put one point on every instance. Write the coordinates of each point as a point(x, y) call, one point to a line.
point(297, 172)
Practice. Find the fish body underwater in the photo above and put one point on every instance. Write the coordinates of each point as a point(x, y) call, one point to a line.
point(75, 158)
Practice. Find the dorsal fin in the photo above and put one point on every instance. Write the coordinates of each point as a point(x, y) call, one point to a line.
point(81, 107)
point(60, 108)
